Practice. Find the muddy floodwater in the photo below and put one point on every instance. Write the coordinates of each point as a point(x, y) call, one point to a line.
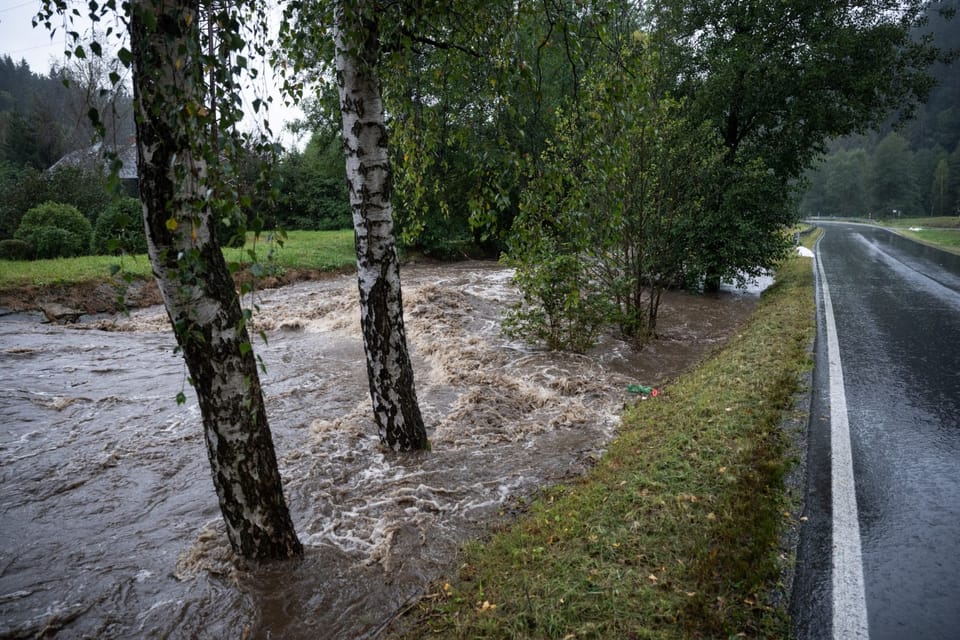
point(109, 525)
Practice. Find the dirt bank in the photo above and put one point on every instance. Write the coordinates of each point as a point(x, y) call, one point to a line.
point(112, 297)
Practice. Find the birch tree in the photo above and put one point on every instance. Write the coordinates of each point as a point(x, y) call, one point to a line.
point(178, 184)
point(389, 369)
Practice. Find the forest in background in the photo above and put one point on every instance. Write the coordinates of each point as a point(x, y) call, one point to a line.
point(45, 116)
point(905, 168)
point(458, 182)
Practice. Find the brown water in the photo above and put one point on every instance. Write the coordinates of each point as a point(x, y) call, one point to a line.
point(109, 526)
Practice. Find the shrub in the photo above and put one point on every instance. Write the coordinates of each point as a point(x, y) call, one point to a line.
point(560, 307)
point(51, 242)
point(11, 249)
point(22, 188)
point(19, 189)
point(41, 227)
point(119, 229)
point(86, 189)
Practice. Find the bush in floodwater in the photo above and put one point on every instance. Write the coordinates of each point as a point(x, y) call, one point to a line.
point(560, 308)
point(55, 230)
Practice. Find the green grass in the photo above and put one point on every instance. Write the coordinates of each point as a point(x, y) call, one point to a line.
point(944, 222)
point(323, 250)
point(944, 239)
point(943, 232)
point(675, 533)
point(67, 271)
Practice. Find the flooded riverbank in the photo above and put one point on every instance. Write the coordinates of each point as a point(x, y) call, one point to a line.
point(110, 526)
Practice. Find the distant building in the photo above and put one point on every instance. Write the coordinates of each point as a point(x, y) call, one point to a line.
point(94, 158)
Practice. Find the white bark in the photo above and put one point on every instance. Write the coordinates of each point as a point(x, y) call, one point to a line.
point(390, 372)
point(197, 288)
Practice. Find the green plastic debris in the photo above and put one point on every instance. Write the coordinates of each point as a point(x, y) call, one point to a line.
point(639, 388)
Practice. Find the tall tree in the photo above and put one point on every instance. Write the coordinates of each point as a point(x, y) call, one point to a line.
point(940, 189)
point(953, 182)
point(777, 78)
point(178, 179)
point(173, 163)
point(846, 176)
point(893, 185)
point(389, 369)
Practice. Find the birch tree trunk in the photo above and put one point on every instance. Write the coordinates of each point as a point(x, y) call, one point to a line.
point(390, 373)
point(197, 289)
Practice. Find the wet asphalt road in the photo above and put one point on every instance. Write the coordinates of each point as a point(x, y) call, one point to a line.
point(896, 306)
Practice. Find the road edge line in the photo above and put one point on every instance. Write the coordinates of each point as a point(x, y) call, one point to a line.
point(849, 597)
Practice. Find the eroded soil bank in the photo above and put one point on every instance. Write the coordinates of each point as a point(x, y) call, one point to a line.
point(110, 523)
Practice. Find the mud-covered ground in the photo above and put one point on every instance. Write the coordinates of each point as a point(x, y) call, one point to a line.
point(110, 524)
point(107, 297)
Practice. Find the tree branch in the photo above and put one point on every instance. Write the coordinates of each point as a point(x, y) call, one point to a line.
point(439, 44)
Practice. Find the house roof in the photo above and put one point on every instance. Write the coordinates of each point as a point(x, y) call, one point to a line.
point(94, 156)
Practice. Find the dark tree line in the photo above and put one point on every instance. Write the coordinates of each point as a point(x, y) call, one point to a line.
point(43, 117)
point(904, 168)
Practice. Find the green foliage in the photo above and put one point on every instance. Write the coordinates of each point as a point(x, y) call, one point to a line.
point(892, 182)
point(43, 112)
point(55, 230)
point(611, 216)
point(11, 249)
point(471, 96)
point(12, 198)
point(876, 178)
point(910, 178)
point(119, 229)
point(22, 188)
point(940, 199)
point(777, 81)
point(51, 242)
point(85, 188)
point(33, 140)
point(742, 234)
point(561, 308)
point(312, 189)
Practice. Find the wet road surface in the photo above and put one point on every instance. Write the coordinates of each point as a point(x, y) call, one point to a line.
point(896, 307)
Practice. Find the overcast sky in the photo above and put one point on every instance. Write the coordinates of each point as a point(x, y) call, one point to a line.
point(21, 41)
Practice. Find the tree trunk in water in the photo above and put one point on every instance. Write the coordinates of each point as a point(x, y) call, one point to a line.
point(197, 288)
point(390, 373)
point(711, 283)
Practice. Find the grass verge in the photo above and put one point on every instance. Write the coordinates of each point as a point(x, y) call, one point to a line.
point(942, 233)
point(676, 532)
point(317, 250)
point(942, 222)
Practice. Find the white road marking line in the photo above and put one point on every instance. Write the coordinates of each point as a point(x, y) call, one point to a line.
point(849, 599)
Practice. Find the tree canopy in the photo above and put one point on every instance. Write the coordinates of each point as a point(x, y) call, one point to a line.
point(922, 149)
point(777, 80)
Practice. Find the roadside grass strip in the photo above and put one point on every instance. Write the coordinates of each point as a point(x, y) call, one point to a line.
point(676, 533)
point(946, 239)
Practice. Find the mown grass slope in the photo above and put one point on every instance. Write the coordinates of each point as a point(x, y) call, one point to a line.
point(676, 532)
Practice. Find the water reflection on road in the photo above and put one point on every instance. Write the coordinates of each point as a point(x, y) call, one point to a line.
point(109, 525)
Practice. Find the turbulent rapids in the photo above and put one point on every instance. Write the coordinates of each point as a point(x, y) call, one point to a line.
point(110, 526)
